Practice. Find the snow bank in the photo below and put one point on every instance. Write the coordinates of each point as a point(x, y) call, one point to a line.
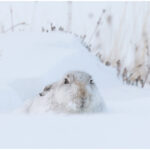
point(9, 99)
point(94, 131)
point(31, 61)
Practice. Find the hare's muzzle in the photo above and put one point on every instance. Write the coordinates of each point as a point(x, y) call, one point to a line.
point(82, 103)
point(81, 96)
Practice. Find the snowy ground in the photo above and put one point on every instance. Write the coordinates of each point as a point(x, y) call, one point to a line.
point(29, 61)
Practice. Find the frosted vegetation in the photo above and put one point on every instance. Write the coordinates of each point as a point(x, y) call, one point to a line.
point(118, 33)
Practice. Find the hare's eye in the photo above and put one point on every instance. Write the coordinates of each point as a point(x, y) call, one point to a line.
point(91, 81)
point(66, 81)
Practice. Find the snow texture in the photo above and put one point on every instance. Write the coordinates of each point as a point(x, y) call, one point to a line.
point(31, 61)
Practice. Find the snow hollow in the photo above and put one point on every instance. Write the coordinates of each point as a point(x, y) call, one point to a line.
point(29, 61)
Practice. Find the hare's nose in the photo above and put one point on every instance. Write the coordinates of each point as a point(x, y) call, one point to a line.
point(83, 99)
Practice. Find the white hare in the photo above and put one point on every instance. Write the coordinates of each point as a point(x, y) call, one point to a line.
point(76, 92)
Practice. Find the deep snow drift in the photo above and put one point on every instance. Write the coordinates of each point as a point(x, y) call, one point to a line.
point(30, 61)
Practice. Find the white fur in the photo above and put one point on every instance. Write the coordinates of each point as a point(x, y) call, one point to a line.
point(77, 96)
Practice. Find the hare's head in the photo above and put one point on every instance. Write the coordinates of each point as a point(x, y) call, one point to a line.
point(77, 92)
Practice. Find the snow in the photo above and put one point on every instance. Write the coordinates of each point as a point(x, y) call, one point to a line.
point(94, 131)
point(29, 61)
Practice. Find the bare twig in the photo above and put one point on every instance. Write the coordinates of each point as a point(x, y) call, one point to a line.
point(33, 15)
point(16, 25)
point(11, 17)
point(96, 27)
point(69, 15)
point(148, 72)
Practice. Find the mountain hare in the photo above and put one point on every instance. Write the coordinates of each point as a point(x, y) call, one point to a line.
point(76, 92)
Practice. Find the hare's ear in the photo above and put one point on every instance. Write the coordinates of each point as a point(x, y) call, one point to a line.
point(46, 89)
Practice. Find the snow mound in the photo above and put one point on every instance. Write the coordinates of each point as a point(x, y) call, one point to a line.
point(29, 61)
point(9, 99)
